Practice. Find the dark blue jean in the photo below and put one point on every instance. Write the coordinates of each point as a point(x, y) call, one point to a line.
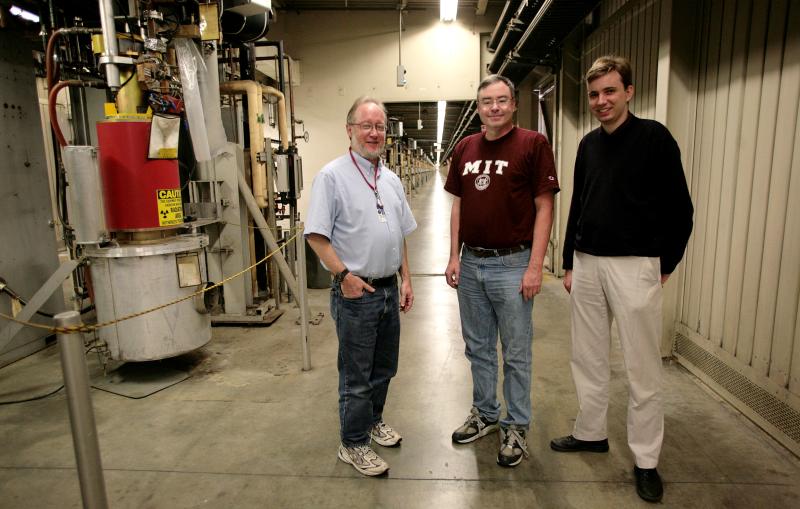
point(369, 343)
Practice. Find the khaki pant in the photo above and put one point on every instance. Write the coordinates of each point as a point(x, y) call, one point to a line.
point(628, 289)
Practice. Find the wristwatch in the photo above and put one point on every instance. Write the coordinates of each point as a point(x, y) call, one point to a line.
point(338, 278)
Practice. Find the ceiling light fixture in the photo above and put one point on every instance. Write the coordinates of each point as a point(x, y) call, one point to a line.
point(448, 10)
point(22, 13)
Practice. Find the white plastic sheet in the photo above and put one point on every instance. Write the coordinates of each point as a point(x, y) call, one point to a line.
point(190, 62)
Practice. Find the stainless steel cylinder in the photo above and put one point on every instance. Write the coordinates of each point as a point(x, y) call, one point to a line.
point(85, 194)
point(132, 278)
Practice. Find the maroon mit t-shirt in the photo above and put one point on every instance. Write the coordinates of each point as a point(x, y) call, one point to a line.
point(497, 181)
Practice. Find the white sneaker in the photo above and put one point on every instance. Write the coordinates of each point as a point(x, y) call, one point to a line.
point(363, 459)
point(385, 435)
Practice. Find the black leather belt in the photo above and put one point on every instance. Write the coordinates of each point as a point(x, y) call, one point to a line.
point(482, 252)
point(380, 281)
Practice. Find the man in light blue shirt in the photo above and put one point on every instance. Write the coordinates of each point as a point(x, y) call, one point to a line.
point(357, 222)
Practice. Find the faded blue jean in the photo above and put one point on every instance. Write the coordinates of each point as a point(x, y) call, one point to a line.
point(369, 343)
point(489, 302)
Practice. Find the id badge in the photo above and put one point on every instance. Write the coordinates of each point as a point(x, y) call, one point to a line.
point(381, 216)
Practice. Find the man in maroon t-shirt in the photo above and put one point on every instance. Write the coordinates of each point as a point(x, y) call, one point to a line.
point(503, 181)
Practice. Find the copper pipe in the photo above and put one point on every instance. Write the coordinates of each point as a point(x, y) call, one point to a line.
point(51, 107)
point(52, 99)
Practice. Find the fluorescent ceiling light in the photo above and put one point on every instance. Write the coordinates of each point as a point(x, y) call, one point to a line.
point(448, 10)
point(22, 13)
point(441, 107)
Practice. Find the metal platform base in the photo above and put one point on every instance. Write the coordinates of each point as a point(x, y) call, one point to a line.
point(247, 320)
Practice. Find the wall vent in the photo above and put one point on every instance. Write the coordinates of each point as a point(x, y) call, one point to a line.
point(763, 406)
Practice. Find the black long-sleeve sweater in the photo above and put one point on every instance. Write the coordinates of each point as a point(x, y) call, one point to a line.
point(630, 196)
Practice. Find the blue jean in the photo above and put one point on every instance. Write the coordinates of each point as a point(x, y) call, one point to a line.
point(369, 343)
point(489, 301)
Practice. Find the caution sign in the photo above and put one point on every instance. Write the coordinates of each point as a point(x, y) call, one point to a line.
point(170, 207)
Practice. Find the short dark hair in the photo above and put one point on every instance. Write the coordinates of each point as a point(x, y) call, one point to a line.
point(494, 78)
point(364, 99)
point(611, 63)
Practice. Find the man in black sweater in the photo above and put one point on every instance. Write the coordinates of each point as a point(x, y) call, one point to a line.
point(629, 223)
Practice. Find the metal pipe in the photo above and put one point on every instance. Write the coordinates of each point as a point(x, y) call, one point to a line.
point(80, 116)
point(81, 414)
point(52, 99)
point(303, 302)
point(515, 24)
point(110, 46)
point(524, 39)
point(291, 97)
point(254, 113)
point(283, 125)
point(501, 28)
point(279, 46)
point(400, 41)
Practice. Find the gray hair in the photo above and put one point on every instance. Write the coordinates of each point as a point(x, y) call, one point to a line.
point(365, 99)
point(494, 78)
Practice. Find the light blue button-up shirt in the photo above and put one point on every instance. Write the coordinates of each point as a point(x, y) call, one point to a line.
point(343, 209)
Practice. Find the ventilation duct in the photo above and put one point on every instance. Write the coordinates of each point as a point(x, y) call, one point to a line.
point(245, 20)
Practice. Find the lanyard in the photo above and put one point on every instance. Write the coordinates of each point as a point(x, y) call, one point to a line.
point(374, 188)
point(377, 170)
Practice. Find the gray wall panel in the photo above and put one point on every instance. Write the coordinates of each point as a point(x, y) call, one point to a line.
point(729, 163)
point(765, 144)
point(744, 185)
point(742, 287)
point(27, 244)
point(779, 277)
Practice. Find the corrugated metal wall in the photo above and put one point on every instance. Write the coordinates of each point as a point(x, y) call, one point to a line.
point(742, 285)
point(629, 29)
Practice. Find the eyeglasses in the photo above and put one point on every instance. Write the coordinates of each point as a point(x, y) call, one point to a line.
point(501, 101)
point(367, 127)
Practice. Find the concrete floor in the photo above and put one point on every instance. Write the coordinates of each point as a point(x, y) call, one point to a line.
point(250, 429)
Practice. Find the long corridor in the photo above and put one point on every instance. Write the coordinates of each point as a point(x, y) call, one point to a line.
point(250, 429)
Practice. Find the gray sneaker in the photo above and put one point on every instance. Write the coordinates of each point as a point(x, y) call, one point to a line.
point(474, 427)
point(513, 447)
point(363, 459)
point(384, 435)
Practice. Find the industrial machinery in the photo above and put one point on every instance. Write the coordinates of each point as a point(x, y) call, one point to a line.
point(152, 200)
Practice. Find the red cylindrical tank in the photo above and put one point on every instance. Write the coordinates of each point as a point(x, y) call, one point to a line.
point(139, 193)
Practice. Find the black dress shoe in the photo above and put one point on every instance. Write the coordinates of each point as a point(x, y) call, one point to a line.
point(572, 444)
point(648, 484)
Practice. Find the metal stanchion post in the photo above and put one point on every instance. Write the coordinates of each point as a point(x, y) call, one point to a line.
point(303, 297)
point(81, 413)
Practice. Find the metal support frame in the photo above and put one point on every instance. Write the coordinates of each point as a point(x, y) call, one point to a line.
point(37, 301)
point(286, 272)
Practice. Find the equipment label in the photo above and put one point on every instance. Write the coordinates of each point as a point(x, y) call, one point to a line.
point(170, 207)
